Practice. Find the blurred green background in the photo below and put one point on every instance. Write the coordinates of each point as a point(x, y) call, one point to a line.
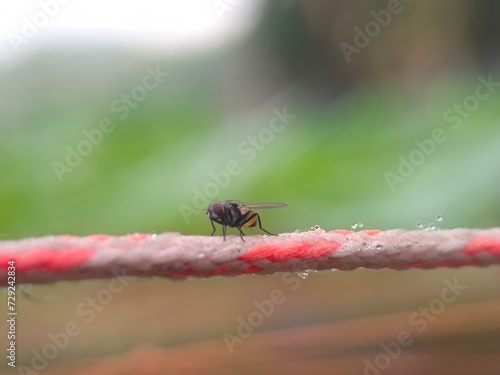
point(350, 154)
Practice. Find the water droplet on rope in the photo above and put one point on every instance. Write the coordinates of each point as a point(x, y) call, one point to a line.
point(357, 225)
point(420, 226)
point(379, 246)
point(316, 227)
point(439, 218)
point(297, 231)
point(303, 275)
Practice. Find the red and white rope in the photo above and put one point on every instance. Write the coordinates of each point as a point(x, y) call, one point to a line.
point(173, 255)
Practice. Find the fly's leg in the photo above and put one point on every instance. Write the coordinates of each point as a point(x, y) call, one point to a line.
point(241, 234)
point(260, 226)
point(213, 227)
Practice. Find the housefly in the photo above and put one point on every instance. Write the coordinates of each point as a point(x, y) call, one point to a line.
point(234, 214)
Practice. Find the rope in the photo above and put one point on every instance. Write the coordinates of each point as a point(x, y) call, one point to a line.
point(173, 255)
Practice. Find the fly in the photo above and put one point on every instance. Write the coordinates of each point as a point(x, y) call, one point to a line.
point(234, 214)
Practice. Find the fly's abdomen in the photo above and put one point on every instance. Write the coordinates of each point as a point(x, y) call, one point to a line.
point(251, 221)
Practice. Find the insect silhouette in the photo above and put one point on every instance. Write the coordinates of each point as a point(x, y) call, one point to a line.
point(234, 214)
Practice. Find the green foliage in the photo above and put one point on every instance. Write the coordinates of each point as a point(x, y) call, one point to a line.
point(328, 164)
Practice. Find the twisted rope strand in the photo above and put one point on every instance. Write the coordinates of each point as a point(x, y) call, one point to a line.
point(173, 255)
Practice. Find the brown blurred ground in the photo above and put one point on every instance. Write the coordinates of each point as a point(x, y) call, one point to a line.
point(328, 323)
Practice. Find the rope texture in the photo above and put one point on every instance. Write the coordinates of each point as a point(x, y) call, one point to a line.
point(173, 255)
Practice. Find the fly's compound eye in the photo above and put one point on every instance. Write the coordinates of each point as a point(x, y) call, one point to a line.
point(216, 210)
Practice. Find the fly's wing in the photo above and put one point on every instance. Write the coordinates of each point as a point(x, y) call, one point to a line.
point(256, 206)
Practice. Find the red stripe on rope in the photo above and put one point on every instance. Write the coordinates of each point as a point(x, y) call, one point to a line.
point(483, 244)
point(304, 250)
point(279, 253)
point(46, 259)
